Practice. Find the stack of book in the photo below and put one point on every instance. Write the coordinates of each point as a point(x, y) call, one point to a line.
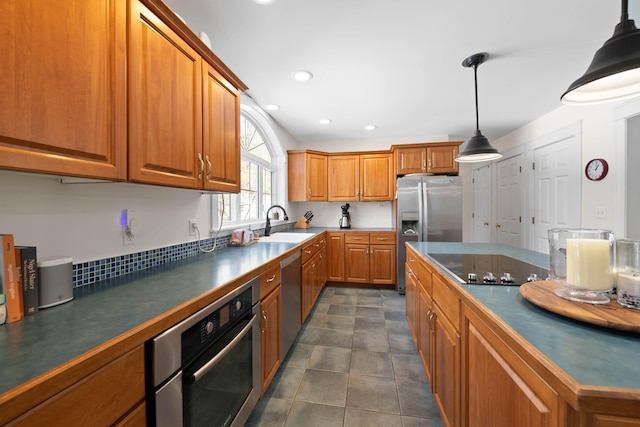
point(18, 280)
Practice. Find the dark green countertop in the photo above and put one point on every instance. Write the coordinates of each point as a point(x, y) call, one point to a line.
point(99, 313)
point(591, 355)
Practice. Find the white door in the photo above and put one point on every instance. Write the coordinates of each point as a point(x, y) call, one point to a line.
point(509, 225)
point(482, 204)
point(557, 189)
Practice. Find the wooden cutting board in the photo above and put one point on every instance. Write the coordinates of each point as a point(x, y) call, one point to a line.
point(611, 315)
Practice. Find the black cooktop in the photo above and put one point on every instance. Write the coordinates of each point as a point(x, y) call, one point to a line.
point(490, 269)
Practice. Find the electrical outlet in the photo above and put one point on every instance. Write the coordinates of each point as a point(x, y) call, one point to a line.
point(130, 226)
point(601, 213)
point(192, 227)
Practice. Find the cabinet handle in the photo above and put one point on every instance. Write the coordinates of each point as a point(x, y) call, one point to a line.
point(307, 251)
point(264, 316)
point(309, 191)
point(424, 164)
point(356, 238)
point(485, 224)
point(411, 260)
point(498, 226)
point(383, 238)
point(208, 168)
point(429, 163)
point(271, 279)
point(431, 317)
point(201, 166)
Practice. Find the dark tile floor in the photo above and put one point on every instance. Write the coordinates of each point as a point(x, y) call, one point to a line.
point(353, 364)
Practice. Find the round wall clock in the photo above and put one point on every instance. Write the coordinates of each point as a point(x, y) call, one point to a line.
point(596, 169)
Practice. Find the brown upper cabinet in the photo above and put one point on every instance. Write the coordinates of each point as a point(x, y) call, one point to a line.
point(63, 85)
point(363, 177)
point(160, 101)
point(307, 176)
point(170, 86)
point(436, 158)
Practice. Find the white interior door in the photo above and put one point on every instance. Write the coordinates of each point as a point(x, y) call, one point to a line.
point(482, 204)
point(510, 201)
point(557, 188)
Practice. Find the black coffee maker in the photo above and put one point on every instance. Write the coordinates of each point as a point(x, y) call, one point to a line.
point(345, 221)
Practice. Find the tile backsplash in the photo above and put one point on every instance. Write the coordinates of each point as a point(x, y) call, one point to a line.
point(91, 272)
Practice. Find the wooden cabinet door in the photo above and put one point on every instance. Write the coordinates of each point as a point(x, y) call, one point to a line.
point(495, 375)
point(165, 104)
point(446, 369)
point(441, 160)
point(382, 265)
point(270, 336)
point(425, 330)
point(356, 260)
point(221, 132)
point(335, 253)
point(317, 177)
point(411, 160)
point(411, 299)
point(308, 273)
point(376, 177)
point(63, 87)
point(344, 178)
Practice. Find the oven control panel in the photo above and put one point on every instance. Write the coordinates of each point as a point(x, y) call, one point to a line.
point(215, 324)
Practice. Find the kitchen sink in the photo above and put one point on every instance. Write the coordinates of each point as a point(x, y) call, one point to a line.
point(284, 237)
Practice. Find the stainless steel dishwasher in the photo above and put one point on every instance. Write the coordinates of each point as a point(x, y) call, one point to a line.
point(290, 286)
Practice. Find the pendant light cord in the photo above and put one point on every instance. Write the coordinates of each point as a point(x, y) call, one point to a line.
point(475, 79)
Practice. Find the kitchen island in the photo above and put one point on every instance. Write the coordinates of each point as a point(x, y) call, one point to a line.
point(496, 359)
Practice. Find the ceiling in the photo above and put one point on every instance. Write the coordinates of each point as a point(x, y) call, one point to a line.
point(397, 64)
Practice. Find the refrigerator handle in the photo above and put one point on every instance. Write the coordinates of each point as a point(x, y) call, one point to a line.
point(424, 211)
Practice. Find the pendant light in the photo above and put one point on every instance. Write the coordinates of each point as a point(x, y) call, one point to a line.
point(614, 72)
point(477, 148)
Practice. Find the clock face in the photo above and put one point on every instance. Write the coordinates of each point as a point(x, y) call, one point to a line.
point(596, 169)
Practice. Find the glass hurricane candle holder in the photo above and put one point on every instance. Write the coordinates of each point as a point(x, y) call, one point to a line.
point(582, 260)
point(628, 272)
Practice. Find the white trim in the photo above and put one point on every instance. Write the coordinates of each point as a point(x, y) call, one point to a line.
point(621, 114)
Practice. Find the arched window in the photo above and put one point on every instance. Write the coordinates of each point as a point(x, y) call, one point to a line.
point(256, 177)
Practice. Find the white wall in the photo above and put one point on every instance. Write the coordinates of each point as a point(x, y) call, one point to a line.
point(598, 140)
point(83, 220)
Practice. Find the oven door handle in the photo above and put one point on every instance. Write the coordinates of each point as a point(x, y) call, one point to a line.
point(213, 362)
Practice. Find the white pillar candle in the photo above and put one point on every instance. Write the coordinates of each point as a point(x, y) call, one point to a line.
point(588, 264)
point(629, 289)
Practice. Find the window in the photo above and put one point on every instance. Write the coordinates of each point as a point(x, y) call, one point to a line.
point(256, 178)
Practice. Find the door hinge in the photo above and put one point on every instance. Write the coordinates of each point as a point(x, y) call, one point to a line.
point(473, 180)
point(533, 220)
point(473, 215)
point(520, 169)
point(520, 219)
point(533, 165)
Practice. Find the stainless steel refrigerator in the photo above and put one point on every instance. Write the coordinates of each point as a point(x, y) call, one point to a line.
point(428, 209)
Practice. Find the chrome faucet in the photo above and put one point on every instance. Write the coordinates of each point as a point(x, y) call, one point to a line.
point(267, 227)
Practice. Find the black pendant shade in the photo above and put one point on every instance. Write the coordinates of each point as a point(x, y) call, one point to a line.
point(614, 72)
point(477, 148)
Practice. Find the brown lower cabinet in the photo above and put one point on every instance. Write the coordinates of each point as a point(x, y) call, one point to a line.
point(480, 375)
point(314, 273)
point(270, 331)
point(368, 258)
point(112, 395)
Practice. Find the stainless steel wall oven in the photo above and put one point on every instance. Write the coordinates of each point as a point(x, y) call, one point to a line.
point(205, 371)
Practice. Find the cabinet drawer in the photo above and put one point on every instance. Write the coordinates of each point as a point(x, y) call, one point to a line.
point(359, 238)
point(447, 299)
point(105, 396)
point(310, 249)
point(269, 280)
point(382, 238)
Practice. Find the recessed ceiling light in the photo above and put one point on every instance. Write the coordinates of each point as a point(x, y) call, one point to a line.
point(264, 1)
point(302, 75)
point(325, 121)
point(370, 127)
point(272, 107)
